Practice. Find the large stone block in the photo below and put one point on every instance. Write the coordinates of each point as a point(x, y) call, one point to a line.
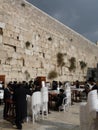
point(6, 68)
point(2, 25)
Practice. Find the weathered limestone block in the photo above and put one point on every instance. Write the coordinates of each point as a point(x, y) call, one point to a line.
point(17, 30)
point(21, 76)
point(18, 68)
point(6, 68)
point(21, 38)
point(32, 62)
point(9, 50)
point(20, 62)
point(24, 69)
point(0, 39)
point(16, 56)
point(28, 52)
point(33, 73)
point(13, 62)
point(6, 40)
point(2, 61)
point(14, 75)
point(3, 54)
point(20, 50)
point(2, 25)
point(1, 17)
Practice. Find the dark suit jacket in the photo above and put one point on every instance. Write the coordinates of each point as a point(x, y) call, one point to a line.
point(7, 94)
point(19, 98)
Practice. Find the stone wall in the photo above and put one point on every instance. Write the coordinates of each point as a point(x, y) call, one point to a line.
point(30, 41)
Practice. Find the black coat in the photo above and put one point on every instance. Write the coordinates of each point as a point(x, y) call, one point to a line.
point(19, 98)
point(60, 98)
point(95, 87)
point(7, 94)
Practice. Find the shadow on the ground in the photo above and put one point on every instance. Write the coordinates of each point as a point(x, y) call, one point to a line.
point(5, 124)
point(50, 125)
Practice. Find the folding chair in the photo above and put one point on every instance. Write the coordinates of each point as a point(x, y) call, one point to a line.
point(36, 105)
point(65, 104)
point(44, 97)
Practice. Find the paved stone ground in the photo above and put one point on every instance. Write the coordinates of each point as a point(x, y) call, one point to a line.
point(55, 121)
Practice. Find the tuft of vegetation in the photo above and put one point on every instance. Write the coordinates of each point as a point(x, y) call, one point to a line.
point(27, 74)
point(72, 61)
point(82, 64)
point(1, 31)
point(60, 59)
point(52, 74)
point(9, 58)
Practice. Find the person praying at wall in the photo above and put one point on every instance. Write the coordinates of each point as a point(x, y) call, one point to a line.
point(19, 98)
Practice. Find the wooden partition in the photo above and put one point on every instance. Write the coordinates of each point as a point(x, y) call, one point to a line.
point(2, 78)
point(40, 79)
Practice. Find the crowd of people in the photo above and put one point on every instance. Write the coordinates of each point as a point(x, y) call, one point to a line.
point(89, 85)
point(15, 93)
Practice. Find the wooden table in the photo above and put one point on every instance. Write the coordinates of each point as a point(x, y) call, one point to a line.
point(76, 92)
point(52, 96)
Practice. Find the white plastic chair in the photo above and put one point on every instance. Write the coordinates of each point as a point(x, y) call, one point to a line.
point(44, 96)
point(92, 109)
point(67, 100)
point(65, 104)
point(92, 103)
point(68, 95)
point(36, 105)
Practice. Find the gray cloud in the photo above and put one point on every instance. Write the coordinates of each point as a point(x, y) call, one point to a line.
point(80, 15)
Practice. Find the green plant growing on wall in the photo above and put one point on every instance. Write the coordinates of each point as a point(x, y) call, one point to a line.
point(41, 65)
point(27, 44)
point(52, 74)
point(9, 58)
point(60, 60)
point(83, 64)
point(1, 31)
point(27, 74)
point(72, 66)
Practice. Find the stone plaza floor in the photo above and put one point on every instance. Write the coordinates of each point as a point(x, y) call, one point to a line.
point(68, 120)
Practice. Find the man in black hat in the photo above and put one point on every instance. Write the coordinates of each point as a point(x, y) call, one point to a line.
point(91, 82)
point(89, 85)
point(20, 101)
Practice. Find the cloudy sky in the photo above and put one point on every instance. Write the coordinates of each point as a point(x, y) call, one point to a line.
point(80, 15)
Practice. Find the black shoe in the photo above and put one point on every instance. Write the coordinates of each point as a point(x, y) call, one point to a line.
point(56, 109)
point(19, 127)
point(13, 123)
point(49, 112)
point(61, 109)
